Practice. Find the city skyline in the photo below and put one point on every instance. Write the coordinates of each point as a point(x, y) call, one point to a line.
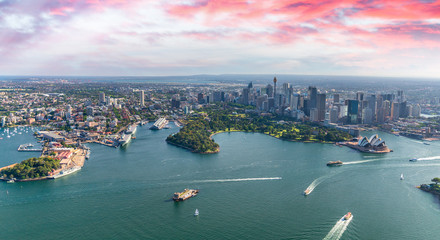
point(113, 37)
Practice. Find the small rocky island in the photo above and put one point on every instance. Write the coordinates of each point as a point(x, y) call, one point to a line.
point(433, 188)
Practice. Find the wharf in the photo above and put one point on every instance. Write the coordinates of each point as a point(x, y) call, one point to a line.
point(25, 148)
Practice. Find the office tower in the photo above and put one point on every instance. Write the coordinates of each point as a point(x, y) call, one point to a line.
point(294, 102)
point(395, 111)
point(335, 98)
point(387, 109)
point(286, 87)
point(416, 111)
point(101, 97)
point(200, 98)
point(245, 96)
point(352, 111)
point(260, 102)
point(343, 111)
point(250, 85)
point(312, 96)
point(269, 90)
point(175, 103)
point(314, 115)
point(400, 96)
point(403, 110)
point(274, 86)
point(320, 106)
point(142, 102)
point(217, 96)
point(360, 96)
point(367, 116)
point(334, 115)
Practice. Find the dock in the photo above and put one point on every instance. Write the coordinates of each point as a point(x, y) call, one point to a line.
point(28, 148)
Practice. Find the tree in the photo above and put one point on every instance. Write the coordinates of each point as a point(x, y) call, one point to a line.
point(435, 180)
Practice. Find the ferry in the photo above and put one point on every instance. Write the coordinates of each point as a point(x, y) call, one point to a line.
point(334, 163)
point(347, 216)
point(413, 160)
point(88, 154)
point(187, 193)
point(65, 172)
point(159, 124)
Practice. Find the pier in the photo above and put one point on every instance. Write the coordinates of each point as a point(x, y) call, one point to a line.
point(28, 148)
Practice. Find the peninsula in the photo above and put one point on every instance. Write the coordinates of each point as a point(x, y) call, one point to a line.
point(433, 188)
point(201, 126)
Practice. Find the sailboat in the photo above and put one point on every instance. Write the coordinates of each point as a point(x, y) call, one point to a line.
point(401, 176)
point(196, 213)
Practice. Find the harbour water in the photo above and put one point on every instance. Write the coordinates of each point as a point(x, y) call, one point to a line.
point(252, 189)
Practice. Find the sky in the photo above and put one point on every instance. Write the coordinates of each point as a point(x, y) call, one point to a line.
point(186, 37)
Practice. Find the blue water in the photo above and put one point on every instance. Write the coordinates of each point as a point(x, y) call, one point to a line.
point(252, 189)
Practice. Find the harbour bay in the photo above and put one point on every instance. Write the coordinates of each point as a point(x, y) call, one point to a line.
point(251, 189)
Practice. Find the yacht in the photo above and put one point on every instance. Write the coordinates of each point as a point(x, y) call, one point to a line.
point(413, 160)
point(196, 213)
point(66, 172)
point(401, 176)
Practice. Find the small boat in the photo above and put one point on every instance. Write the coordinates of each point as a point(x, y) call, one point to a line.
point(306, 192)
point(413, 160)
point(348, 216)
point(401, 176)
point(334, 163)
point(426, 143)
point(11, 180)
point(196, 213)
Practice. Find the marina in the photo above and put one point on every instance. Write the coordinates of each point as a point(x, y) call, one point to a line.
point(28, 148)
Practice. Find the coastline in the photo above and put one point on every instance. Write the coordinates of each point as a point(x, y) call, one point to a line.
point(218, 149)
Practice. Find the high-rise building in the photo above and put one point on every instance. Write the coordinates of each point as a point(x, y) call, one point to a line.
point(352, 111)
point(142, 98)
point(334, 114)
point(360, 96)
point(245, 96)
point(200, 98)
point(269, 90)
point(274, 86)
point(89, 111)
point(320, 106)
point(400, 96)
point(286, 87)
point(367, 116)
point(395, 111)
point(336, 98)
point(416, 111)
point(101, 97)
point(314, 115)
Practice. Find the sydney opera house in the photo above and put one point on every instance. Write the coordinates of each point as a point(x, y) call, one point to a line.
point(374, 144)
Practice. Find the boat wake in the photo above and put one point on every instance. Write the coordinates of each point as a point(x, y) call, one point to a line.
point(429, 158)
point(237, 180)
point(362, 161)
point(315, 183)
point(338, 229)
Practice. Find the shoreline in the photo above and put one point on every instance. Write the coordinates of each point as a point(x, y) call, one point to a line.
point(218, 149)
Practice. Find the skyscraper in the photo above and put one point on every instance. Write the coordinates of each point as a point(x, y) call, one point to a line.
point(320, 105)
point(142, 98)
point(352, 111)
point(274, 86)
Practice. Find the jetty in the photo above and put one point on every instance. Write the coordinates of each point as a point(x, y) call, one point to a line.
point(28, 147)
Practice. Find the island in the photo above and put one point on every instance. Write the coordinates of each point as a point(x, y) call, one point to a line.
point(197, 133)
point(433, 188)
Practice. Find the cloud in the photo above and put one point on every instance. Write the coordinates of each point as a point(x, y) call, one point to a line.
point(144, 37)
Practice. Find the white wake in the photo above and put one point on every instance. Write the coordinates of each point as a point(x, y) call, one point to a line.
point(237, 180)
point(339, 229)
point(429, 158)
